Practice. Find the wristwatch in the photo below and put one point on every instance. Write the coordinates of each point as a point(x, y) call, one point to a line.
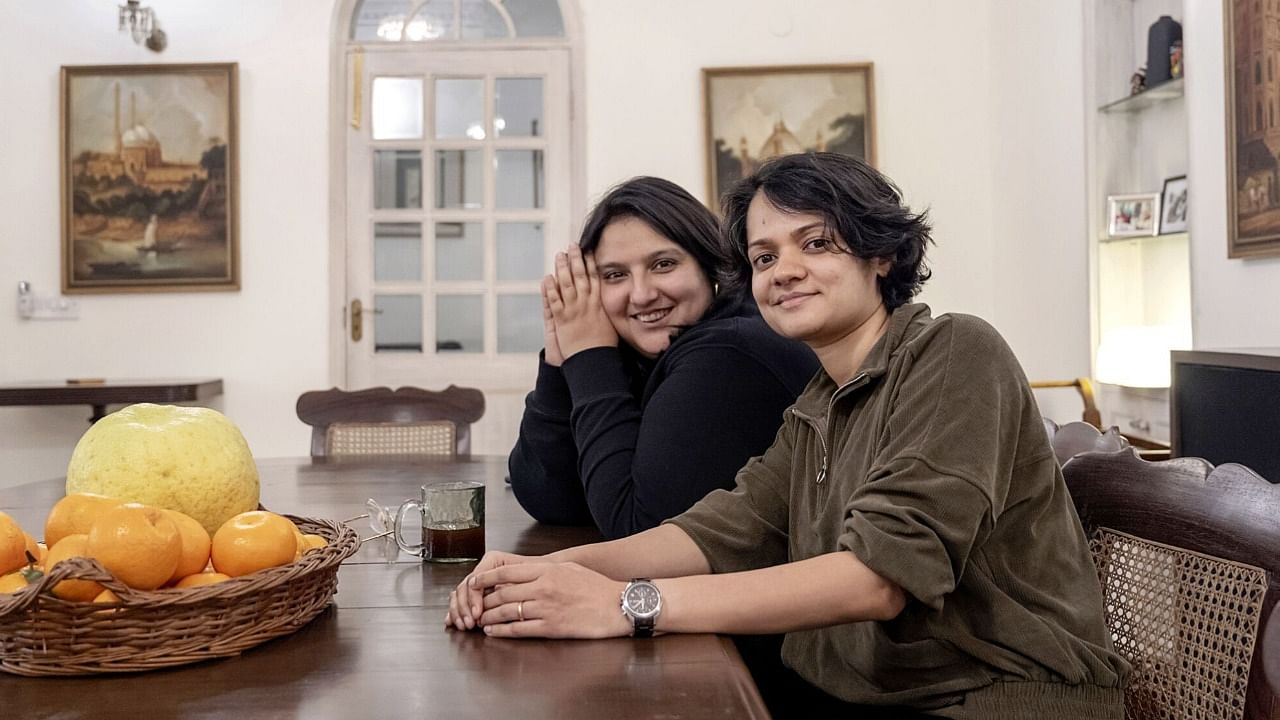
point(642, 603)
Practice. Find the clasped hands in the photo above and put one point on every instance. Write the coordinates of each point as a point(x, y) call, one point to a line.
point(573, 317)
point(517, 596)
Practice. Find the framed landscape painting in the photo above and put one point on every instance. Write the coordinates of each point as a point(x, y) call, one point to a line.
point(755, 113)
point(1253, 139)
point(149, 178)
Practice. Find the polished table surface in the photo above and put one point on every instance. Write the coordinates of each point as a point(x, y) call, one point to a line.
point(383, 650)
point(99, 393)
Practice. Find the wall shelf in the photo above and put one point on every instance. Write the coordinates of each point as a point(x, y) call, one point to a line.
point(1139, 283)
point(1170, 90)
point(1171, 237)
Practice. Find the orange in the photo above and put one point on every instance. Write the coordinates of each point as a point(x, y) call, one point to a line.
point(106, 596)
point(301, 541)
point(195, 545)
point(204, 578)
point(73, 514)
point(314, 542)
point(33, 547)
point(42, 554)
point(13, 582)
point(77, 590)
point(253, 541)
point(139, 544)
point(13, 545)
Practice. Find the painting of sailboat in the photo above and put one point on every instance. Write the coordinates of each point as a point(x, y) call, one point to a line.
point(149, 178)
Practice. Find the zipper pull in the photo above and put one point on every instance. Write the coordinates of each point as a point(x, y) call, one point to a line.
point(822, 474)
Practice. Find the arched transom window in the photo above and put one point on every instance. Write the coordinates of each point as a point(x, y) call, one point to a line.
point(456, 20)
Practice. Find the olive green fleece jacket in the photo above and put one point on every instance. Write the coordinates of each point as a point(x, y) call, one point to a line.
point(932, 467)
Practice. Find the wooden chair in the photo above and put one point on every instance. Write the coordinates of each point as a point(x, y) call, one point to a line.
point(1188, 557)
point(382, 421)
point(1149, 449)
point(1080, 437)
point(1083, 386)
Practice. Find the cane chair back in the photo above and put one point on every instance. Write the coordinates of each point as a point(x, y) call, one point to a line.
point(1188, 558)
point(381, 421)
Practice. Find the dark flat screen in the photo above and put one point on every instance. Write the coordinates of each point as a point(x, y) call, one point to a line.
point(1228, 415)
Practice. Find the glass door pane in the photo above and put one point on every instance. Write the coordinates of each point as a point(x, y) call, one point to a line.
point(397, 108)
point(460, 108)
point(460, 323)
point(397, 252)
point(519, 251)
point(397, 323)
point(397, 179)
point(459, 179)
point(517, 107)
point(520, 323)
point(459, 251)
point(519, 178)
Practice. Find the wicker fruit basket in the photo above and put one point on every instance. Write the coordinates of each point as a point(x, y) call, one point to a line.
point(43, 635)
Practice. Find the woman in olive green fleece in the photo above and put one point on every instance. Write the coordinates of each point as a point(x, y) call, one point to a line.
point(909, 529)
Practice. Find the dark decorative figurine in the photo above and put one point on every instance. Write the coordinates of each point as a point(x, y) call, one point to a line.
point(1160, 39)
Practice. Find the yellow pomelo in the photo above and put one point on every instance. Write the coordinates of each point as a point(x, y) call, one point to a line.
point(188, 459)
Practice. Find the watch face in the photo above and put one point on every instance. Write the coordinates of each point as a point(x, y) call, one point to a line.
point(642, 599)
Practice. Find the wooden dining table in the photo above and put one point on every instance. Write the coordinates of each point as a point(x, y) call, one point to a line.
point(382, 650)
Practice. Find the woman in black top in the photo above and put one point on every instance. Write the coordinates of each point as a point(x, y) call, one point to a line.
point(653, 389)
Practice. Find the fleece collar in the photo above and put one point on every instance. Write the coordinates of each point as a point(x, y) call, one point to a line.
point(904, 324)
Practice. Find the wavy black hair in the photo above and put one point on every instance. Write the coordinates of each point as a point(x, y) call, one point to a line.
point(667, 208)
point(676, 215)
point(854, 199)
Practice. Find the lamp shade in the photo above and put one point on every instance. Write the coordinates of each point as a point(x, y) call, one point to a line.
point(1138, 355)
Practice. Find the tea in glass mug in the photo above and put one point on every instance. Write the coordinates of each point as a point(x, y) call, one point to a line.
point(452, 522)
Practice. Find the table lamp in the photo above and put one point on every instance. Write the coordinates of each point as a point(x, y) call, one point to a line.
point(1137, 356)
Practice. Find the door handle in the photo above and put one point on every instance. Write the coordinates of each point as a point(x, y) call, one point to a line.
point(357, 318)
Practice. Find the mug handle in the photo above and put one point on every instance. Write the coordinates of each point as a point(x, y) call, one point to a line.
point(405, 507)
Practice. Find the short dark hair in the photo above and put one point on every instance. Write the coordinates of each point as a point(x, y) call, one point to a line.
point(852, 197)
point(667, 208)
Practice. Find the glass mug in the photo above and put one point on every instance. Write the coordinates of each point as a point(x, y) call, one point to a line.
point(452, 522)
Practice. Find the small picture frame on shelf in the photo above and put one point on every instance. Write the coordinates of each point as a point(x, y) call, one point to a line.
point(1173, 205)
point(1132, 215)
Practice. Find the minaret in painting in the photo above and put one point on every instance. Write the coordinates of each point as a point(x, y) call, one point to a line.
point(119, 144)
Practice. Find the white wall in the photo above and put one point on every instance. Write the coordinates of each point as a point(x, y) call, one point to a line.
point(268, 340)
point(1233, 302)
point(1037, 184)
point(932, 86)
point(978, 117)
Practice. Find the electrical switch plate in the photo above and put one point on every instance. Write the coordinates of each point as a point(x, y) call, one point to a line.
point(48, 307)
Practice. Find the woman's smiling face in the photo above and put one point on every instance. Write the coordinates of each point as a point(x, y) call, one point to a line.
point(650, 286)
point(806, 283)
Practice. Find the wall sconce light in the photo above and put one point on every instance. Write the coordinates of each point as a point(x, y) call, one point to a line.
point(141, 24)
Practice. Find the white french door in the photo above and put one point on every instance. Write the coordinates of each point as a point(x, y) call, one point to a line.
point(457, 199)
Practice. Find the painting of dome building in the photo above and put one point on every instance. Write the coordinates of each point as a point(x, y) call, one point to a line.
point(148, 177)
point(755, 113)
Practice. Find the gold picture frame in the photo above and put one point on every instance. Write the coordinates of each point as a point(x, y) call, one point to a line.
point(1253, 138)
point(753, 113)
point(149, 198)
